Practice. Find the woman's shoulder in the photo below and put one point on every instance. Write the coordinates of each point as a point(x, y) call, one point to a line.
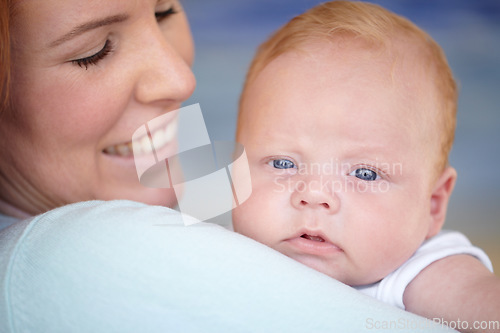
point(128, 267)
point(65, 258)
point(90, 219)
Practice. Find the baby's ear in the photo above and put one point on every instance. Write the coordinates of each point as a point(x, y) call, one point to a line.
point(439, 200)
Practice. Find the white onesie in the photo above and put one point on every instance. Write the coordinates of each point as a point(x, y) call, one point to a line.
point(391, 288)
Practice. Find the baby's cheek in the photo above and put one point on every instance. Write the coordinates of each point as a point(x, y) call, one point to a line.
point(391, 258)
point(243, 218)
point(248, 221)
point(237, 219)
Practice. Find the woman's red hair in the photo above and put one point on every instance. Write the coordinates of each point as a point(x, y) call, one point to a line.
point(4, 53)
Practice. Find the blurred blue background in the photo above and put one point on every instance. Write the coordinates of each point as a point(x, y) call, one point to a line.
point(227, 32)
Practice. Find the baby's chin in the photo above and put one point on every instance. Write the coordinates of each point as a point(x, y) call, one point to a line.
point(340, 271)
point(336, 272)
point(366, 278)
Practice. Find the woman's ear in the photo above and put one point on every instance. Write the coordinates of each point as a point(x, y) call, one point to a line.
point(439, 200)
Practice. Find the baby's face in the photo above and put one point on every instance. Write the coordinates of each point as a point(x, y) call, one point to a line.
point(338, 152)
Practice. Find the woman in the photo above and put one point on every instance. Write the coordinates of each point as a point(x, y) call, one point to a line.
point(78, 77)
point(83, 78)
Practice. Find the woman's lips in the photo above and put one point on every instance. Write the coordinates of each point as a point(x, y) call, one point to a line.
point(161, 137)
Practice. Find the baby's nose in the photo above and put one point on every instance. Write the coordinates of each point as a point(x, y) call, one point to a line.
point(313, 197)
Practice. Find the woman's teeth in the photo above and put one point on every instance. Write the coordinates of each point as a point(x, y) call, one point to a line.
point(161, 137)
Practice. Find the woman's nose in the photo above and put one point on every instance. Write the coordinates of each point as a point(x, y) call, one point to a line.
point(165, 74)
point(307, 196)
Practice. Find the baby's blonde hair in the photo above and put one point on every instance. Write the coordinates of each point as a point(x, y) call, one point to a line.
point(377, 26)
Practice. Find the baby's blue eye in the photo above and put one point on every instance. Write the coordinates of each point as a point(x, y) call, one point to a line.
point(365, 174)
point(283, 164)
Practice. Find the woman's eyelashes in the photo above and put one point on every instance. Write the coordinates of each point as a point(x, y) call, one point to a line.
point(108, 47)
point(160, 16)
point(95, 58)
point(365, 174)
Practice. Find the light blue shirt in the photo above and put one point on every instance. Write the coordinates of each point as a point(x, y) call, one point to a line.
point(122, 266)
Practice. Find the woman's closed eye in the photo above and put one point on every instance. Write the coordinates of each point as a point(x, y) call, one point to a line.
point(108, 47)
point(95, 58)
point(365, 174)
point(161, 15)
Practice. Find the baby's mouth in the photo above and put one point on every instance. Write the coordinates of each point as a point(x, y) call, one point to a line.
point(313, 242)
point(161, 137)
point(313, 238)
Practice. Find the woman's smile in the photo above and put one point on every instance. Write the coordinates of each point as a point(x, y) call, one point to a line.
point(158, 138)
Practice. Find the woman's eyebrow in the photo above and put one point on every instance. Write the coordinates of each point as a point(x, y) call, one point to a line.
point(94, 24)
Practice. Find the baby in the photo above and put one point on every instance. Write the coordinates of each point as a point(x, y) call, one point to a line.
point(347, 117)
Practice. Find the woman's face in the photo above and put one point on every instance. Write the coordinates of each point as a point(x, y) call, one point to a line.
point(86, 75)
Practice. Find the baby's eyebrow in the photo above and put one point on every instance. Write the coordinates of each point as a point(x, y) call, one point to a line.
point(87, 26)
